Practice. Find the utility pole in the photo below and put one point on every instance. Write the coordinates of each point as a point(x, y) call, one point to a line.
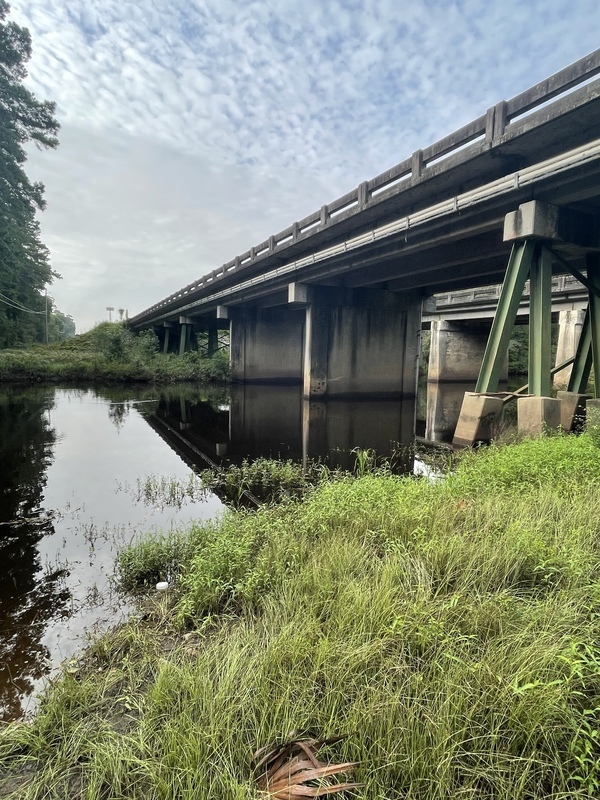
point(110, 309)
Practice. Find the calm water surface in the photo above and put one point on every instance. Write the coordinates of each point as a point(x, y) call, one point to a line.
point(70, 461)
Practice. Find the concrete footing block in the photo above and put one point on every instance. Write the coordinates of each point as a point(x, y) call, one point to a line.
point(572, 409)
point(592, 412)
point(477, 416)
point(535, 415)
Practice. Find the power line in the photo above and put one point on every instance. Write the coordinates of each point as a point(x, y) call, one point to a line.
point(17, 306)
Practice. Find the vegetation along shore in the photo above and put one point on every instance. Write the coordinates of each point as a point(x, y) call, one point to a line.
point(447, 630)
point(110, 352)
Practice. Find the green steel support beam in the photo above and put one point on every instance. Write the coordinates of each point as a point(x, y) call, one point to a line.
point(592, 263)
point(575, 273)
point(582, 366)
point(540, 323)
point(519, 264)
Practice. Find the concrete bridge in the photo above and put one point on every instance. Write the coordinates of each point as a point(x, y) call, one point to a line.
point(334, 301)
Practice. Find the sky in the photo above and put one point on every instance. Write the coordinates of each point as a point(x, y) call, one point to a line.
point(194, 129)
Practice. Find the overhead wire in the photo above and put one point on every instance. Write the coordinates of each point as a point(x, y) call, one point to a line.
point(19, 307)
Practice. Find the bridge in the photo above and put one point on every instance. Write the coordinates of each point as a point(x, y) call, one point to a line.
point(334, 301)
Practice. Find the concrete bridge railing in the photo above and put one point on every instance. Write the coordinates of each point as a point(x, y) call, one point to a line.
point(501, 124)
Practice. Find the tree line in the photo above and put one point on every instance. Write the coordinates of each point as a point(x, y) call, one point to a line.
point(26, 315)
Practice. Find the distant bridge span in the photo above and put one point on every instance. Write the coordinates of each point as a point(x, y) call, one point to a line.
point(334, 300)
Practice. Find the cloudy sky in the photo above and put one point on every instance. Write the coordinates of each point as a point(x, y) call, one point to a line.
point(193, 129)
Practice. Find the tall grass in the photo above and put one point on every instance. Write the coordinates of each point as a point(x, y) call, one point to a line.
point(450, 629)
point(109, 353)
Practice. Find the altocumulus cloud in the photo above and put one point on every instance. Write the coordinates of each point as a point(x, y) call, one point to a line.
point(192, 130)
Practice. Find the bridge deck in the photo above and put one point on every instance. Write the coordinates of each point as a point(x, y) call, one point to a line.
point(435, 219)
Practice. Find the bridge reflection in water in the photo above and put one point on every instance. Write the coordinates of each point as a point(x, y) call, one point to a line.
point(277, 422)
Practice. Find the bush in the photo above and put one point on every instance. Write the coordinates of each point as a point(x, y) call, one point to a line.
point(110, 352)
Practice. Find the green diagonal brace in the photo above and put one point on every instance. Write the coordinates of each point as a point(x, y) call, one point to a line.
point(582, 366)
point(519, 264)
point(540, 323)
point(592, 262)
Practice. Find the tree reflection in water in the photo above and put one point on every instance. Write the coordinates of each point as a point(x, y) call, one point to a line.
point(30, 594)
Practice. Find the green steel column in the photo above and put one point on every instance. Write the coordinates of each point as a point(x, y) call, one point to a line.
point(512, 290)
point(540, 323)
point(582, 366)
point(592, 263)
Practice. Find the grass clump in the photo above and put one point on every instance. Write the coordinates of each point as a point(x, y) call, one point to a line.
point(264, 480)
point(109, 353)
point(450, 629)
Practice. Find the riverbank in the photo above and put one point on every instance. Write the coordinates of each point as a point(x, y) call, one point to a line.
point(109, 353)
point(449, 630)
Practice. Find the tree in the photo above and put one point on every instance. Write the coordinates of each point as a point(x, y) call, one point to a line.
point(60, 326)
point(24, 261)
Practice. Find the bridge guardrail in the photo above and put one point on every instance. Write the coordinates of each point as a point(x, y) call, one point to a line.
point(502, 121)
point(447, 300)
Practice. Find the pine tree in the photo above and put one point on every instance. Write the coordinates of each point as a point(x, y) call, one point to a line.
point(24, 261)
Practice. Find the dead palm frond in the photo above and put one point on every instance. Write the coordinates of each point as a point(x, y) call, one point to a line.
point(292, 770)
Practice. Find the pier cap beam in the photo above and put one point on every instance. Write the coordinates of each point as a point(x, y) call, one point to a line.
point(299, 293)
point(538, 220)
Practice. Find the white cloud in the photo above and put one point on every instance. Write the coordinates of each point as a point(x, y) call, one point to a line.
point(193, 129)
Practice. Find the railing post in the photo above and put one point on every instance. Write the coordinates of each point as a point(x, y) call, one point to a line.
point(417, 164)
point(363, 194)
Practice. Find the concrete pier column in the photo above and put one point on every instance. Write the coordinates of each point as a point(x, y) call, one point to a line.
point(266, 344)
point(213, 337)
point(166, 336)
point(185, 334)
point(444, 402)
point(456, 350)
point(361, 342)
point(316, 350)
point(570, 324)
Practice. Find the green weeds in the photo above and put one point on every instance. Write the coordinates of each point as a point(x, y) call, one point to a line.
point(109, 353)
point(264, 480)
point(450, 629)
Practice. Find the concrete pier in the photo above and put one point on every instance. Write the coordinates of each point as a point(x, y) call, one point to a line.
point(570, 325)
point(456, 350)
point(444, 402)
point(266, 345)
point(360, 343)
